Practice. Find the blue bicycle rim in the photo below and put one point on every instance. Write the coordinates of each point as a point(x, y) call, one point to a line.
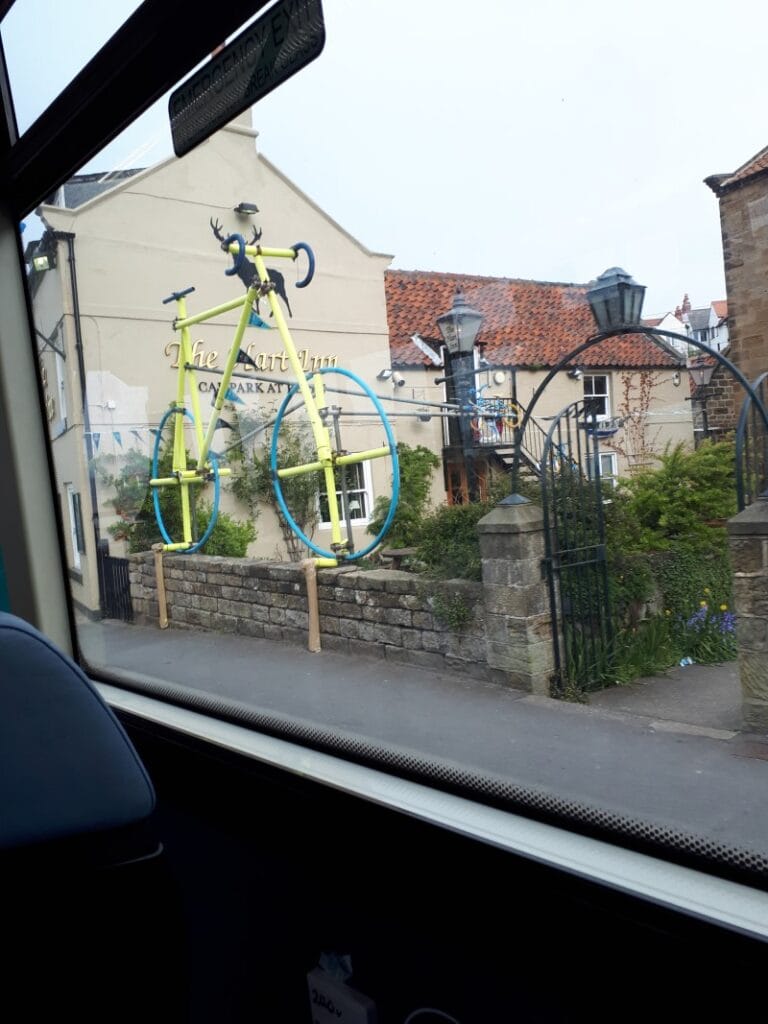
point(395, 470)
point(156, 490)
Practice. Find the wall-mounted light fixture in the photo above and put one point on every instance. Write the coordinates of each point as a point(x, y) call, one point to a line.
point(676, 378)
point(246, 209)
point(576, 373)
point(397, 379)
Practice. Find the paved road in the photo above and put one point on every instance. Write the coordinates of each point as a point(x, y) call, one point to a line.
point(631, 751)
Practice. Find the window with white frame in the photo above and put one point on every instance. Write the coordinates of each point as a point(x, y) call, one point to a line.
point(75, 517)
point(597, 395)
point(607, 463)
point(61, 390)
point(359, 495)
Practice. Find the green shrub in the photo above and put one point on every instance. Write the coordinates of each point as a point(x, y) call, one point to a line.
point(229, 537)
point(449, 542)
point(673, 505)
point(685, 578)
point(663, 545)
point(252, 482)
point(417, 466)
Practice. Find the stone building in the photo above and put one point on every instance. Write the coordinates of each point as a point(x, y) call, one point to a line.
point(743, 196)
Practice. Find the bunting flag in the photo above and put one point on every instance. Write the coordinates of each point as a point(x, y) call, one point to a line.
point(117, 437)
point(254, 320)
point(223, 425)
point(96, 440)
point(137, 435)
point(154, 431)
point(245, 359)
point(232, 396)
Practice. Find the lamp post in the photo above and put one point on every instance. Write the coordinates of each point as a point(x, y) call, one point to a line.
point(701, 376)
point(616, 300)
point(459, 328)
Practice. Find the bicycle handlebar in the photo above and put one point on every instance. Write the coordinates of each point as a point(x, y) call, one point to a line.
point(236, 246)
point(175, 296)
point(303, 247)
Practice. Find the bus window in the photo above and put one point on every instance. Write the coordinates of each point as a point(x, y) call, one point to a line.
point(318, 464)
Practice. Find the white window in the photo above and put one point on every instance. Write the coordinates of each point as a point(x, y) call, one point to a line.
point(607, 464)
point(597, 396)
point(75, 516)
point(359, 494)
point(61, 390)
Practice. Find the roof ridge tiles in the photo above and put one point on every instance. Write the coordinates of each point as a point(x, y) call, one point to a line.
point(488, 277)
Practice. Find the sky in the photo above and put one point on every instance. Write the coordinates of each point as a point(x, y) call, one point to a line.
point(545, 140)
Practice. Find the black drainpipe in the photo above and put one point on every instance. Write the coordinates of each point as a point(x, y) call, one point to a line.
point(69, 238)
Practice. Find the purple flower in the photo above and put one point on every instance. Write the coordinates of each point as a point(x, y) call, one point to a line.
point(727, 622)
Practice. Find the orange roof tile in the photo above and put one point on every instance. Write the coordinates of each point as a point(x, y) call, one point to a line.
point(756, 164)
point(527, 323)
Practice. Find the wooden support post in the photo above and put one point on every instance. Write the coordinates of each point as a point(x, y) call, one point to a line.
point(162, 604)
point(310, 575)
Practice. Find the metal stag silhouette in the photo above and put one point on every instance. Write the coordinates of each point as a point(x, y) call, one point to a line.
point(246, 271)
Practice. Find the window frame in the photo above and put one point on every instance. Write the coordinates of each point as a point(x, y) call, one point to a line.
point(86, 116)
point(75, 525)
point(600, 417)
point(366, 490)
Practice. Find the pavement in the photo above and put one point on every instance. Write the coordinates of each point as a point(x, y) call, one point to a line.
point(667, 750)
point(703, 698)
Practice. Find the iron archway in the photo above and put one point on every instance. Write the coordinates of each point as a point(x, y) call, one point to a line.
point(653, 334)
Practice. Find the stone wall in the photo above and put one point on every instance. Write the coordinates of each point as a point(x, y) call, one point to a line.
point(748, 536)
point(381, 613)
point(744, 226)
point(723, 397)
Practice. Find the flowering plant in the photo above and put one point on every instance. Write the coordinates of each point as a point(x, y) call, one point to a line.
point(708, 635)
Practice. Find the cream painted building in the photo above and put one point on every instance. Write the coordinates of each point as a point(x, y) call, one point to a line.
point(108, 348)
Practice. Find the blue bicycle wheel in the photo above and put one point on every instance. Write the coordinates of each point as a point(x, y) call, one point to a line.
point(156, 490)
point(286, 410)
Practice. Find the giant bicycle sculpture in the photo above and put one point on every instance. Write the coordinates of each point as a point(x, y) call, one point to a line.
point(201, 466)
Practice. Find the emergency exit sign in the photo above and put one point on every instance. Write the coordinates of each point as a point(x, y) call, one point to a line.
point(269, 51)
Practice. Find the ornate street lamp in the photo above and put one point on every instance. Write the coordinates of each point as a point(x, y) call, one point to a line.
point(701, 375)
point(459, 328)
point(616, 300)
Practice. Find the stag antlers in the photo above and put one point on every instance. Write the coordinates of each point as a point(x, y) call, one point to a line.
point(217, 229)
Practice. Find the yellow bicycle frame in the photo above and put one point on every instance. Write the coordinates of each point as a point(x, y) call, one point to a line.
point(312, 392)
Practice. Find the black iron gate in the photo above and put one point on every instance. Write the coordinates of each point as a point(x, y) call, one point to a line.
point(576, 567)
point(115, 586)
point(752, 447)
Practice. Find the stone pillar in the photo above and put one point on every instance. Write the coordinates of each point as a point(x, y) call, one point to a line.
point(518, 621)
point(748, 537)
